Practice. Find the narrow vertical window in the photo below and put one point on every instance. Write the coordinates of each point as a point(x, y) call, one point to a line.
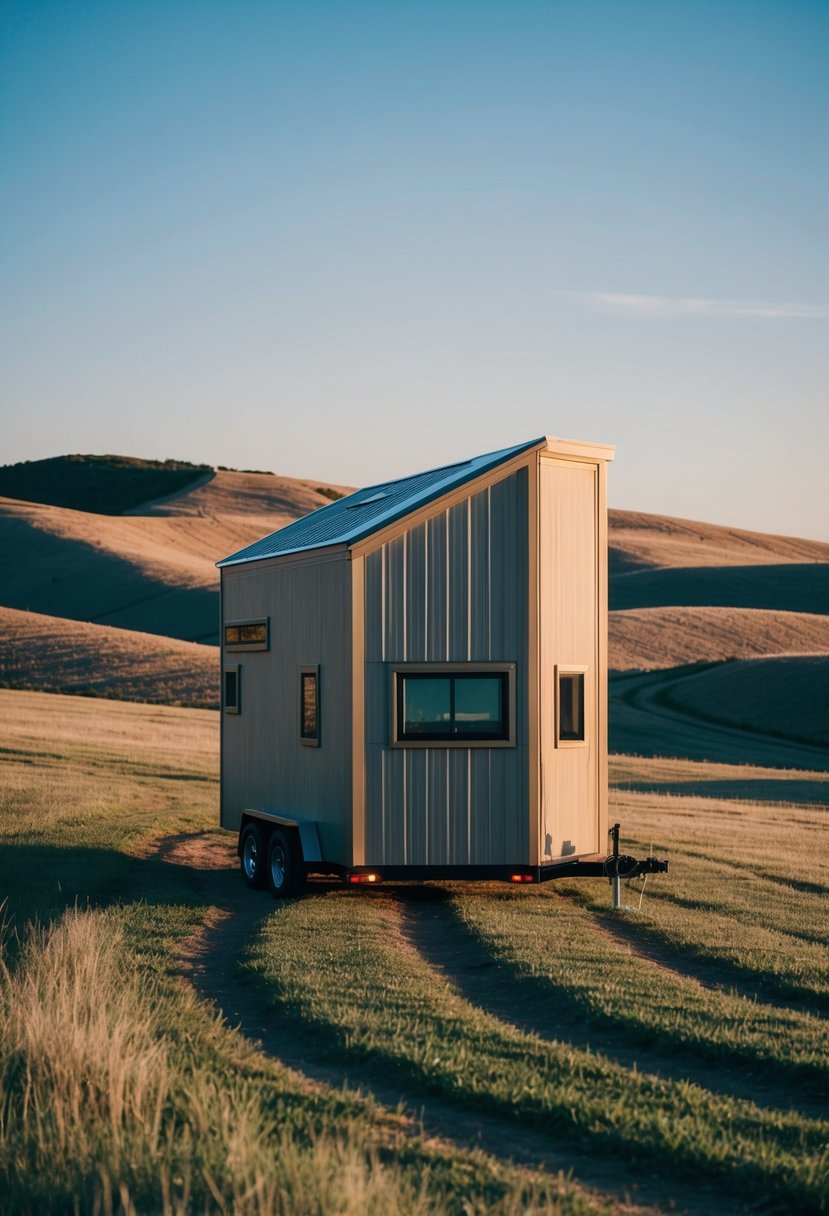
point(231, 690)
point(309, 706)
point(570, 706)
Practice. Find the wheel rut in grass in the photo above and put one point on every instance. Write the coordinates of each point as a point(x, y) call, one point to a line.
point(534, 1005)
point(716, 975)
point(210, 961)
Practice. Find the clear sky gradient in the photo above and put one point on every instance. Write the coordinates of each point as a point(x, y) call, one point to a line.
point(351, 240)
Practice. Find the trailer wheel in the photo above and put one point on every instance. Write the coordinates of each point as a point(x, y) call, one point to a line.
point(284, 865)
point(252, 855)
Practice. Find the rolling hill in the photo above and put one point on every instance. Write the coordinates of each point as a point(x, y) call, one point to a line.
point(108, 602)
point(152, 570)
point(644, 639)
point(647, 542)
point(54, 654)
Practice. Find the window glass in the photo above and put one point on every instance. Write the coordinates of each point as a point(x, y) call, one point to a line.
point(247, 635)
point(571, 705)
point(479, 705)
point(427, 705)
point(309, 715)
point(232, 689)
point(453, 707)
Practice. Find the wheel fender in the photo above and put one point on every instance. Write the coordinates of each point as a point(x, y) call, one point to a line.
point(306, 828)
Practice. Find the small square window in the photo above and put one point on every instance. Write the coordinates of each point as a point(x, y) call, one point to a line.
point(231, 690)
point(309, 706)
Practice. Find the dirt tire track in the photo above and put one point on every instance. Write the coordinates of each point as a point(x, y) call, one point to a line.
point(210, 961)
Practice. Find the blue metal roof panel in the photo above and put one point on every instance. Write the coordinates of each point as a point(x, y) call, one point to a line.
point(365, 511)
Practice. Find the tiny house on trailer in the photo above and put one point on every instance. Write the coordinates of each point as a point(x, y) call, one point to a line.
point(414, 678)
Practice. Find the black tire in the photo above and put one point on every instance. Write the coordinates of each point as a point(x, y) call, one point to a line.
point(285, 872)
point(252, 855)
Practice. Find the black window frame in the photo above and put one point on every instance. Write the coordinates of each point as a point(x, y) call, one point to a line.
point(399, 672)
point(569, 672)
point(305, 739)
point(236, 672)
point(237, 647)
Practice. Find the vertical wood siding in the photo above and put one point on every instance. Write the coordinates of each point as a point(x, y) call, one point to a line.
point(453, 589)
point(264, 765)
point(569, 624)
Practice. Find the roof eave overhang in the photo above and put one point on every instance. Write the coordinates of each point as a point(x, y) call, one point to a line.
point(331, 550)
point(577, 449)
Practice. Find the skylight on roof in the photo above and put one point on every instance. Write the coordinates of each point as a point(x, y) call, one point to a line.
point(365, 501)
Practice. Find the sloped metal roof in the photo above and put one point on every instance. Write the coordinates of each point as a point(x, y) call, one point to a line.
point(365, 511)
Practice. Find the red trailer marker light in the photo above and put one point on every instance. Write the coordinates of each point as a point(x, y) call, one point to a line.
point(521, 878)
point(355, 878)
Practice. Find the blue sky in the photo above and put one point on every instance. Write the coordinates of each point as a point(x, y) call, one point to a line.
point(350, 240)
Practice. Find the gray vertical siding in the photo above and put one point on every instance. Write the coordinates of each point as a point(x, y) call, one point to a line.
point(452, 589)
point(264, 765)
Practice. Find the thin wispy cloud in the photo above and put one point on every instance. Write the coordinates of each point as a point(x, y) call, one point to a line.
point(695, 306)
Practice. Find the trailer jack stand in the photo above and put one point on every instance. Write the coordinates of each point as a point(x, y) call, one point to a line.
point(619, 865)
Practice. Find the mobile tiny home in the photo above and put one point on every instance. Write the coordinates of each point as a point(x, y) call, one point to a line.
point(414, 677)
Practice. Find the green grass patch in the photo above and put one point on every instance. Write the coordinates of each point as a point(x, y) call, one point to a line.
point(340, 965)
point(554, 957)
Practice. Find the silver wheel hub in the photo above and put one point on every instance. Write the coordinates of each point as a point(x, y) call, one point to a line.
point(278, 866)
point(250, 856)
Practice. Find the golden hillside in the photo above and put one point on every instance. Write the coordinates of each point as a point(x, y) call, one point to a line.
point(53, 654)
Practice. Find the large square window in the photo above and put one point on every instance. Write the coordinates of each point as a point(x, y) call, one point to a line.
point(453, 704)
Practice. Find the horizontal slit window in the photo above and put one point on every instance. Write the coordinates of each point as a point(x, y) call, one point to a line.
point(453, 705)
point(247, 635)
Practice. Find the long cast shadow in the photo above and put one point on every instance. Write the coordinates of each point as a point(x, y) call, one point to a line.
point(387, 1072)
point(718, 974)
point(538, 1006)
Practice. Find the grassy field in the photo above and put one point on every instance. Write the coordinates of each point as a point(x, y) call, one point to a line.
point(673, 1057)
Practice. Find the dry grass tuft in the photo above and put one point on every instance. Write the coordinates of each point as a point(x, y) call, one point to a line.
point(100, 1112)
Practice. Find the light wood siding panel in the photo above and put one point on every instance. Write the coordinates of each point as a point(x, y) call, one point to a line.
point(435, 591)
point(452, 589)
point(569, 637)
point(264, 764)
point(394, 617)
point(458, 567)
point(373, 606)
point(479, 577)
point(416, 605)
